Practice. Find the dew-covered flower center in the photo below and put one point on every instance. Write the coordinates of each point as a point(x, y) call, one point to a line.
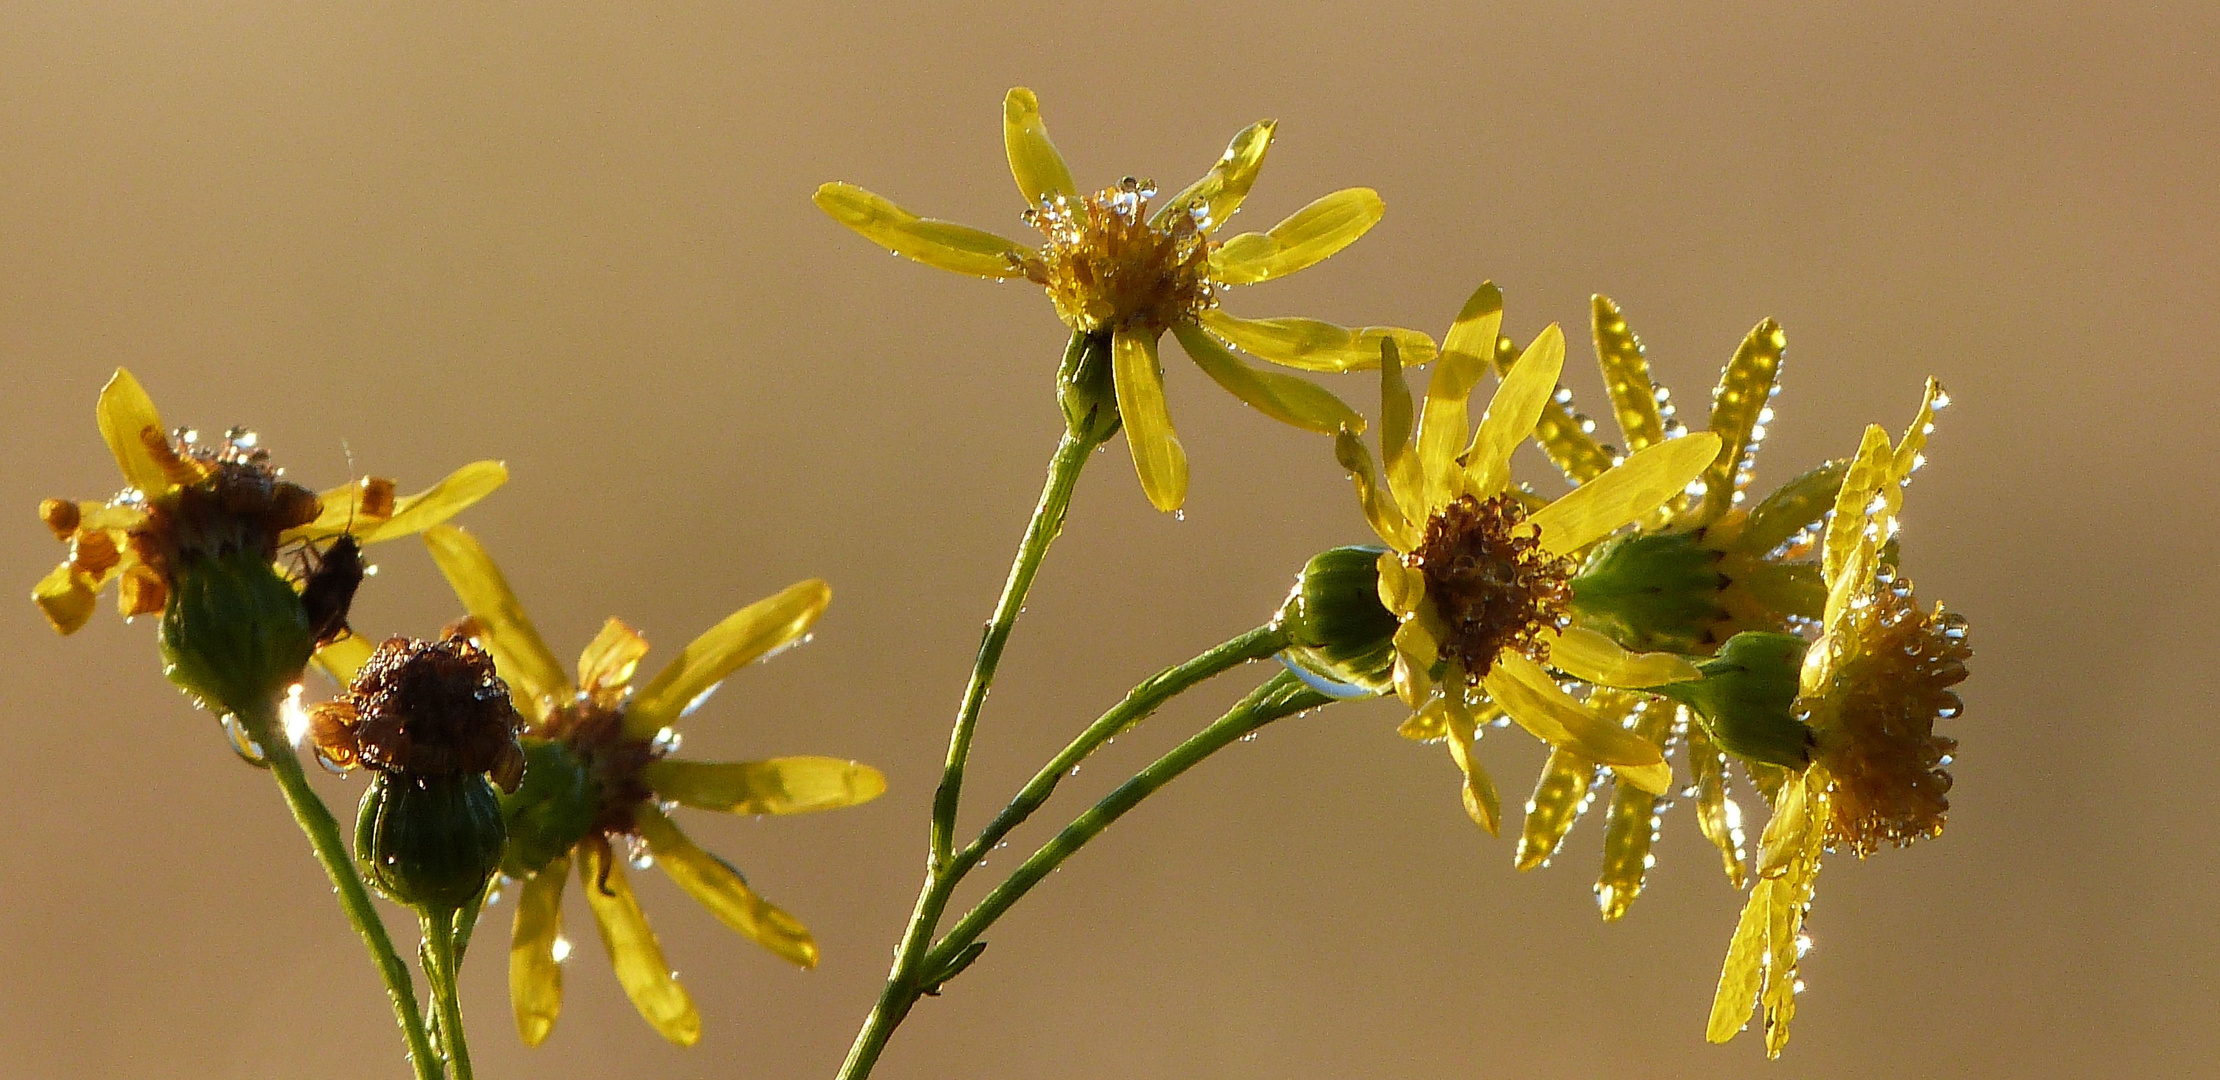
point(1494, 587)
point(1107, 266)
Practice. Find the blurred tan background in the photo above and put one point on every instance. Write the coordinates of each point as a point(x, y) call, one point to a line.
point(579, 237)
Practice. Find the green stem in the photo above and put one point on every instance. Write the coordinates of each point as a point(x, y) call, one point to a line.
point(440, 969)
point(1281, 696)
point(1048, 521)
point(323, 834)
point(1142, 701)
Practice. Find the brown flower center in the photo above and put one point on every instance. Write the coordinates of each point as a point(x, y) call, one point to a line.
point(1875, 720)
point(1491, 582)
point(591, 728)
point(1106, 266)
point(424, 709)
point(230, 500)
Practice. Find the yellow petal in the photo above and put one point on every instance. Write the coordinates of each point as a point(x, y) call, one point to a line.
point(1635, 487)
point(1401, 587)
point(66, 598)
point(1442, 426)
point(1157, 454)
point(1481, 802)
point(1416, 649)
point(1313, 345)
point(1220, 191)
point(633, 951)
point(611, 657)
point(787, 785)
point(1745, 386)
point(1406, 479)
point(1513, 411)
point(1379, 506)
point(1786, 834)
point(741, 638)
point(1425, 725)
point(1744, 973)
point(1626, 375)
point(1909, 450)
point(714, 884)
point(126, 414)
point(1034, 162)
point(434, 505)
point(1282, 397)
point(1308, 236)
point(1790, 508)
point(1593, 658)
point(1534, 700)
point(342, 657)
point(1719, 824)
point(942, 244)
point(1854, 503)
point(1630, 828)
point(535, 976)
point(1563, 435)
point(534, 676)
point(1560, 794)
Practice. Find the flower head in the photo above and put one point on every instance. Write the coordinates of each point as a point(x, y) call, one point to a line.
point(199, 534)
point(1872, 689)
point(600, 777)
point(1117, 270)
point(1479, 574)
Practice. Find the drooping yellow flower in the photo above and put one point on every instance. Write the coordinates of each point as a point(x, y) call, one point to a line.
point(1112, 268)
point(1479, 581)
point(599, 775)
point(1871, 688)
point(1699, 570)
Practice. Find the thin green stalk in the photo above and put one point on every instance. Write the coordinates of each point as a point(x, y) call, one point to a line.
point(1072, 453)
point(440, 969)
point(1281, 696)
point(1137, 706)
point(323, 834)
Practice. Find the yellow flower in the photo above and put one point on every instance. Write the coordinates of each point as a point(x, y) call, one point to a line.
point(1699, 570)
point(599, 776)
point(1871, 688)
point(187, 498)
point(1480, 581)
point(1113, 268)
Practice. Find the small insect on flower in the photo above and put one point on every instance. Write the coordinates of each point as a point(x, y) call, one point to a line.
point(328, 585)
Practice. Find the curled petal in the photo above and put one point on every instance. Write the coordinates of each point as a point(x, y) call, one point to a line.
point(633, 951)
point(787, 785)
point(1624, 493)
point(1282, 397)
point(1308, 236)
point(1854, 522)
point(1157, 454)
point(1481, 801)
point(1513, 411)
point(1039, 170)
point(741, 638)
point(1594, 658)
point(1379, 505)
point(535, 975)
point(66, 598)
point(1220, 191)
point(714, 884)
point(126, 416)
point(942, 244)
point(611, 658)
point(519, 653)
point(1315, 345)
point(1406, 476)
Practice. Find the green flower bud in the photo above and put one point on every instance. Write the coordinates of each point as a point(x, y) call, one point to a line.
point(553, 809)
point(1747, 698)
point(1653, 592)
point(234, 634)
point(1341, 638)
point(429, 842)
point(1086, 390)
